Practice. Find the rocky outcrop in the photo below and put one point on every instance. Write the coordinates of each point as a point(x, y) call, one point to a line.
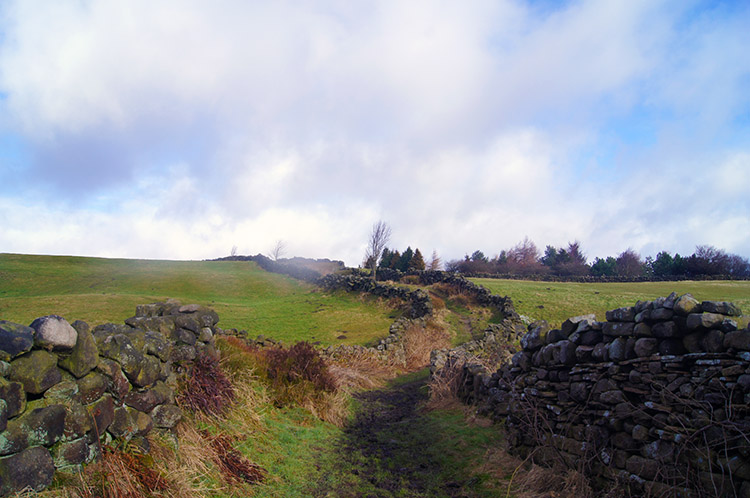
point(65, 390)
point(655, 399)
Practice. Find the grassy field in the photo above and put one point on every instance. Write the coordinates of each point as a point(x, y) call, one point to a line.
point(557, 301)
point(99, 290)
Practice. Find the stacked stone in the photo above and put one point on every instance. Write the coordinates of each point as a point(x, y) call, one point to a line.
point(656, 397)
point(419, 301)
point(65, 390)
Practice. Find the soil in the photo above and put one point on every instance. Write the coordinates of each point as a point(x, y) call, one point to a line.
point(388, 450)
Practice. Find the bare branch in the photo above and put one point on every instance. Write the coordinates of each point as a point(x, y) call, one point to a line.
point(379, 237)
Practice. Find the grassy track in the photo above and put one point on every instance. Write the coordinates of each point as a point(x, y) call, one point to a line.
point(557, 301)
point(100, 290)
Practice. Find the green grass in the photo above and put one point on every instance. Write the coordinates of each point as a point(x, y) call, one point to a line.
point(557, 301)
point(98, 290)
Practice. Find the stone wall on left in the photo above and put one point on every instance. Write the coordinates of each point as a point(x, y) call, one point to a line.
point(66, 390)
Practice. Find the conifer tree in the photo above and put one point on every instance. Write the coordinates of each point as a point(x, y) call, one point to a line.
point(417, 261)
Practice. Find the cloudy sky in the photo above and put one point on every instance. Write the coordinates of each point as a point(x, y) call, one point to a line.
point(177, 129)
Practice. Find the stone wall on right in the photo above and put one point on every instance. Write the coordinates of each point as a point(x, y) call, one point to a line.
point(656, 399)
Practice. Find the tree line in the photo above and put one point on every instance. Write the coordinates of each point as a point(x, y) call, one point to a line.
point(526, 259)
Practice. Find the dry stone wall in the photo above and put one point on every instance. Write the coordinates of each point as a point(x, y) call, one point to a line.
point(66, 390)
point(656, 399)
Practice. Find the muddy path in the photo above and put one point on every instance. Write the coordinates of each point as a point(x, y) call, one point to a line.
point(391, 448)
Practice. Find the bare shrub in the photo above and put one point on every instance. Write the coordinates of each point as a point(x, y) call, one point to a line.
point(299, 363)
point(206, 390)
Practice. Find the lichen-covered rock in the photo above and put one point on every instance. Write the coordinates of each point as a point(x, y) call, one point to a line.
point(3, 414)
point(37, 371)
point(166, 416)
point(92, 387)
point(129, 422)
point(44, 426)
point(739, 339)
point(571, 324)
point(62, 392)
point(184, 336)
point(118, 347)
point(14, 438)
point(686, 305)
point(15, 340)
point(54, 333)
point(704, 320)
point(157, 345)
point(85, 355)
point(188, 322)
point(145, 399)
point(621, 315)
point(536, 337)
point(32, 468)
point(646, 346)
point(618, 328)
point(78, 421)
point(119, 383)
point(70, 454)
point(721, 307)
point(14, 396)
point(103, 412)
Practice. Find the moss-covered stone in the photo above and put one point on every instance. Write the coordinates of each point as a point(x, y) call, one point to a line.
point(157, 345)
point(78, 421)
point(15, 340)
point(166, 416)
point(62, 392)
point(45, 426)
point(37, 371)
point(120, 348)
point(3, 414)
point(103, 413)
point(149, 372)
point(145, 399)
point(123, 425)
point(14, 438)
point(70, 453)
point(32, 468)
point(85, 355)
point(92, 387)
point(119, 383)
point(14, 395)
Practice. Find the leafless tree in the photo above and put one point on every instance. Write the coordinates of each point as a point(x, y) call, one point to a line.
point(435, 262)
point(278, 250)
point(379, 237)
point(234, 251)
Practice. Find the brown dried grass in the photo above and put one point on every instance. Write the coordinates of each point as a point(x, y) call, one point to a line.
point(444, 387)
point(419, 342)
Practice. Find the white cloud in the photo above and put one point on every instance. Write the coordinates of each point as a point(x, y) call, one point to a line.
point(194, 127)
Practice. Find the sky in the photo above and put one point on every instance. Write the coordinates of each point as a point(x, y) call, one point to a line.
point(179, 129)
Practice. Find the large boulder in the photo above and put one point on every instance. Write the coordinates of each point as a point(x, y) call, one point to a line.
point(32, 468)
point(15, 340)
point(37, 371)
point(54, 333)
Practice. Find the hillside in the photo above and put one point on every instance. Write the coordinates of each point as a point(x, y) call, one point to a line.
point(99, 290)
